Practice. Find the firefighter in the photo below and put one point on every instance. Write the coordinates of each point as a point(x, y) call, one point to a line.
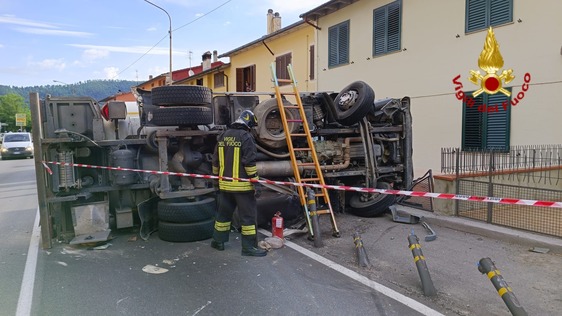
point(235, 156)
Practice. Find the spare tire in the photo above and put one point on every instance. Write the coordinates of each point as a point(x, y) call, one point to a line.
point(375, 206)
point(176, 232)
point(178, 116)
point(181, 95)
point(354, 102)
point(182, 210)
point(270, 126)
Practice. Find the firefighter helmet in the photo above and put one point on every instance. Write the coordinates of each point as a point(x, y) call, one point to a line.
point(248, 118)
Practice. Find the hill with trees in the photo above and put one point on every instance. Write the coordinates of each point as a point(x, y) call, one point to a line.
point(16, 99)
point(96, 89)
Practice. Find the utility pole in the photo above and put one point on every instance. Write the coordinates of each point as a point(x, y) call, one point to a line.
point(169, 78)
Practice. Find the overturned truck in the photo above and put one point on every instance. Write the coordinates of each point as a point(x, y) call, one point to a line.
point(359, 141)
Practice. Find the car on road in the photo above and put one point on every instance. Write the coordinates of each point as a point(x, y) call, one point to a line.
point(16, 145)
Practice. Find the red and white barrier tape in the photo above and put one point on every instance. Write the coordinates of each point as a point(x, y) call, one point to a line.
point(446, 196)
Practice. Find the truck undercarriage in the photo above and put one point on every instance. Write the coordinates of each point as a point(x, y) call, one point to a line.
point(360, 142)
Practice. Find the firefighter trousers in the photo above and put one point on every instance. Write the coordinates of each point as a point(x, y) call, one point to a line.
point(247, 210)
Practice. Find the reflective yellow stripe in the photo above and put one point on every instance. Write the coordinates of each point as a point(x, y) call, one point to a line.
point(221, 161)
point(236, 163)
point(418, 258)
point(311, 201)
point(249, 230)
point(251, 170)
point(413, 246)
point(222, 226)
point(215, 170)
point(235, 186)
point(492, 274)
point(502, 291)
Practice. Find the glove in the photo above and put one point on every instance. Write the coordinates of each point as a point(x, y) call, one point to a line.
point(257, 190)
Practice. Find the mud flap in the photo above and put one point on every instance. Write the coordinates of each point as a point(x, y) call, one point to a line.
point(148, 217)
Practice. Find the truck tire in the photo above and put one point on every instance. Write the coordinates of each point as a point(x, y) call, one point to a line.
point(176, 232)
point(354, 102)
point(270, 129)
point(181, 210)
point(375, 207)
point(172, 116)
point(181, 95)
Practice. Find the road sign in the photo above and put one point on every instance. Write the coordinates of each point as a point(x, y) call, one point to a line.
point(21, 119)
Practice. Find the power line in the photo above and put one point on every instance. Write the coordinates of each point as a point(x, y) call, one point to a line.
point(148, 51)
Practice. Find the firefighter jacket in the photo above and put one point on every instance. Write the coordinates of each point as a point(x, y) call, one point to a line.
point(235, 156)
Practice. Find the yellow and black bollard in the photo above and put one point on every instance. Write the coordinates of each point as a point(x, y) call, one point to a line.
point(314, 218)
point(486, 266)
point(362, 258)
point(419, 259)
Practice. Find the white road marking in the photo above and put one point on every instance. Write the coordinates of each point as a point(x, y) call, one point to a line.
point(28, 282)
point(413, 304)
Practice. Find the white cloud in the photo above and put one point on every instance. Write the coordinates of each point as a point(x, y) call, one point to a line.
point(50, 64)
point(1, 46)
point(127, 49)
point(92, 54)
point(39, 31)
point(111, 72)
point(10, 19)
point(151, 29)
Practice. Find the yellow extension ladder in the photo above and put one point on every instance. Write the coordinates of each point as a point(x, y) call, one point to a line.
point(321, 194)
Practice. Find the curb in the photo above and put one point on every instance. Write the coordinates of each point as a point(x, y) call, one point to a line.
point(502, 233)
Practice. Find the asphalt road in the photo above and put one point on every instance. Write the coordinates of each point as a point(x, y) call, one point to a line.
point(71, 280)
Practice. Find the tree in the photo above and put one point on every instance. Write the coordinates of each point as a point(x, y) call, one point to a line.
point(10, 104)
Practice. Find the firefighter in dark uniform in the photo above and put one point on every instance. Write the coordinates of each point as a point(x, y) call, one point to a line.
point(235, 156)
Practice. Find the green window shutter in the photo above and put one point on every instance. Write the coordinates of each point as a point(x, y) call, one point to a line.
point(333, 46)
point(386, 28)
point(394, 26)
point(497, 127)
point(343, 43)
point(379, 32)
point(338, 44)
point(480, 14)
point(472, 125)
point(501, 11)
point(476, 15)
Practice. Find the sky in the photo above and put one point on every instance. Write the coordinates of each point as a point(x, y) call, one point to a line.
point(49, 42)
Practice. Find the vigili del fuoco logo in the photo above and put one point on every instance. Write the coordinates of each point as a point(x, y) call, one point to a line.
point(490, 82)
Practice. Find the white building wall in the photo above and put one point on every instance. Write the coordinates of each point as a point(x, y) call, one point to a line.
point(432, 55)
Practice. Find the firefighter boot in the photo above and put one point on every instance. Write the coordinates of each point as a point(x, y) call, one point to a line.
point(220, 235)
point(250, 244)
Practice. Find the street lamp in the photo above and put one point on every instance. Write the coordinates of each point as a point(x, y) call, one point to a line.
point(71, 86)
point(169, 78)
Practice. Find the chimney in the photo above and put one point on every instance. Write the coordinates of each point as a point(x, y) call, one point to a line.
point(206, 61)
point(269, 21)
point(150, 77)
point(215, 54)
point(276, 22)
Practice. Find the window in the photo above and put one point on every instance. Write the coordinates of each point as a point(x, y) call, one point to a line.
point(281, 64)
point(481, 14)
point(386, 28)
point(218, 79)
point(338, 44)
point(246, 79)
point(311, 70)
point(486, 130)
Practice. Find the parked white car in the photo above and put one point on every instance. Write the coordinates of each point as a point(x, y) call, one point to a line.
point(16, 145)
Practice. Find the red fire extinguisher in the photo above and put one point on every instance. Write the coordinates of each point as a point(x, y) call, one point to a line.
point(277, 225)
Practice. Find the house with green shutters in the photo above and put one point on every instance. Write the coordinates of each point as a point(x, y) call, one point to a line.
point(440, 53)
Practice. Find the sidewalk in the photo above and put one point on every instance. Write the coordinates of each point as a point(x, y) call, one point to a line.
point(506, 234)
point(452, 261)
